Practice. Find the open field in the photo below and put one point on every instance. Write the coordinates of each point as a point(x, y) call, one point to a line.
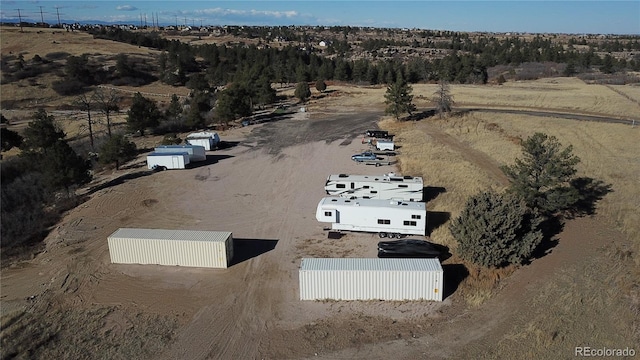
point(71, 301)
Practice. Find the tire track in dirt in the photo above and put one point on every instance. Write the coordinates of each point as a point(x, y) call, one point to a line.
point(481, 160)
point(546, 113)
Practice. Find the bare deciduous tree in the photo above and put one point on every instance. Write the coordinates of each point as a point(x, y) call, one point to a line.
point(107, 101)
point(87, 103)
point(443, 99)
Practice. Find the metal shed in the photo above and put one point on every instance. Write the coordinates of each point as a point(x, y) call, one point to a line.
point(171, 247)
point(370, 279)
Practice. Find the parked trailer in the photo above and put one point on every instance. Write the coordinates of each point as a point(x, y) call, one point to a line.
point(196, 152)
point(387, 186)
point(385, 145)
point(388, 218)
point(172, 160)
point(212, 249)
point(371, 279)
point(209, 140)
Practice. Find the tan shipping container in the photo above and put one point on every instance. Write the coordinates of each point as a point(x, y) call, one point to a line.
point(213, 249)
point(370, 279)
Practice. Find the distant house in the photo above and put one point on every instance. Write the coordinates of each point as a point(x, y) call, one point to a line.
point(322, 43)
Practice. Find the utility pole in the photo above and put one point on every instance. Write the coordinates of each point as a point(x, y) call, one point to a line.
point(176, 16)
point(41, 16)
point(58, 12)
point(20, 18)
point(145, 20)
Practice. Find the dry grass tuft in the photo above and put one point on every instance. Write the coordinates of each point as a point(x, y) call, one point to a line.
point(481, 283)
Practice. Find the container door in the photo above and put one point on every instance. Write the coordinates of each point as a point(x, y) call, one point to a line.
point(176, 162)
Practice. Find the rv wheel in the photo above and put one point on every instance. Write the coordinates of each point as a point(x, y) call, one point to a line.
point(382, 234)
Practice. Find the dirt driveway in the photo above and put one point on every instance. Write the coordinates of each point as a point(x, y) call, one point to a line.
point(264, 188)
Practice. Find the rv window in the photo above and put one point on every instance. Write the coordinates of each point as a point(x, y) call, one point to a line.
point(341, 186)
point(403, 186)
point(365, 187)
point(415, 216)
point(384, 221)
point(374, 192)
point(410, 223)
point(327, 213)
point(353, 186)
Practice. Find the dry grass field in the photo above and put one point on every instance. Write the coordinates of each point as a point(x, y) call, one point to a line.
point(591, 295)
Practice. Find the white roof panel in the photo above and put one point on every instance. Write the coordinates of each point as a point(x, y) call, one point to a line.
point(369, 264)
point(181, 235)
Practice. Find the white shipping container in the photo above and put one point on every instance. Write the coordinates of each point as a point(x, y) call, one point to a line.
point(370, 279)
point(212, 249)
point(196, 152)
point(168, 160)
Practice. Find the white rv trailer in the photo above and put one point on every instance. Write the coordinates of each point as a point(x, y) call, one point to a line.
point(387, 186)
point(386, 217)
point(207, 139)
point(196, 152)
point(175, 160)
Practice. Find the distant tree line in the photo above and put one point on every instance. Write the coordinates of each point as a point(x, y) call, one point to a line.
point(467, 63)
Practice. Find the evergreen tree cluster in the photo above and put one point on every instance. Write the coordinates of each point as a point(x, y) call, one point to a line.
point(46, 166)
point(467, 62)
point(495, 230)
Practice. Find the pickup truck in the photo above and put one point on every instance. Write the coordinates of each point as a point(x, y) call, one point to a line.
point(380, 134)
point(365, 156)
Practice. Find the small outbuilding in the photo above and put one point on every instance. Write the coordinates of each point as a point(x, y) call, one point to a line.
point(211, 249)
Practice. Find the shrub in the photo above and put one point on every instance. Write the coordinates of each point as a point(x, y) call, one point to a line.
point(117, 150)
point(495, 230)
point(68, 87)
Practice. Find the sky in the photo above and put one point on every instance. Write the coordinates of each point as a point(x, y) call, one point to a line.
point(540, 16)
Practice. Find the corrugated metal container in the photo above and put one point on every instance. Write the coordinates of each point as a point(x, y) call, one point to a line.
point(171, 247)
point(370, 279)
